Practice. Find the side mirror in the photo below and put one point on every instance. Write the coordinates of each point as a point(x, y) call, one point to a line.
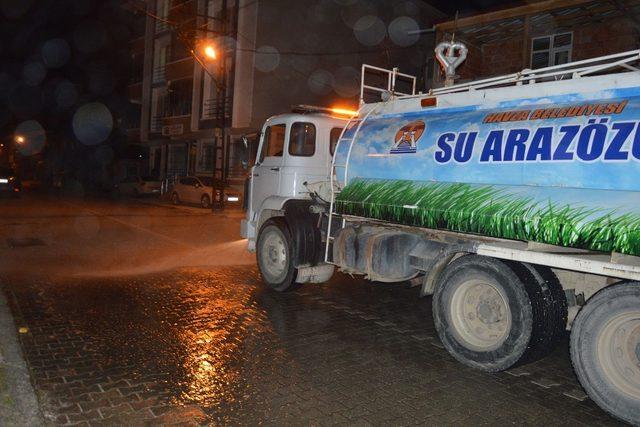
point(244, 153)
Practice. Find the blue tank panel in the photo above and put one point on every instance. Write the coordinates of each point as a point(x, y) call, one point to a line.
point(567, 141)
point(562, 170)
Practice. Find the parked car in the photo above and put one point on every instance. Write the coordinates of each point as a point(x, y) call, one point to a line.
point(199, 190)
point(9, 182)
point(139, 186)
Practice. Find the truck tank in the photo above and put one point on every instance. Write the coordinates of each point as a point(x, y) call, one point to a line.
point(553, 162)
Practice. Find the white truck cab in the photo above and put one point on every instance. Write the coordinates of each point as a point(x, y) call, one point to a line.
point(295, 150)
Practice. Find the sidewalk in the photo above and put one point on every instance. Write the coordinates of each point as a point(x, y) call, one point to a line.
point(18, 402)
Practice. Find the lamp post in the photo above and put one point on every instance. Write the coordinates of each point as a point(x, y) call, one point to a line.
point(211, 53)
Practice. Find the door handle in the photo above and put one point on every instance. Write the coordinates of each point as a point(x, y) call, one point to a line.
point(275, 169)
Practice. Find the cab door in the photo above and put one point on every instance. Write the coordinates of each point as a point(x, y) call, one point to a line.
point(265, 175)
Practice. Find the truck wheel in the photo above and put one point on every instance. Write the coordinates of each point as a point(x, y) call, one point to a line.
point(274, 251)
point(490, 314)
point(553, 308)
point(605, 350)
point(175, 199)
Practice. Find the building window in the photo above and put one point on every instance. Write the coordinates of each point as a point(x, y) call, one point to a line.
point(273, 143)
point(302, 139)
point(158, 106)
point(180, 93)
point(160, 53)
point(162, 12)
point(177, 160)
point(205, 156)
point(551, 50)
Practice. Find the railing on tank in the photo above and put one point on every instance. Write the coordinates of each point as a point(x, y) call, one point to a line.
point(628, 61)
point(385, 86)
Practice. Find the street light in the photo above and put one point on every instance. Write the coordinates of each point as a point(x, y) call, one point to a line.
point(19, 139)
point(210, 52)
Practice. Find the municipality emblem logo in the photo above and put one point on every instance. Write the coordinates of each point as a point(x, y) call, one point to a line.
point(406, 140)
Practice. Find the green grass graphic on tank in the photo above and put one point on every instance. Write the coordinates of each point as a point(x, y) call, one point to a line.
point(491, 211)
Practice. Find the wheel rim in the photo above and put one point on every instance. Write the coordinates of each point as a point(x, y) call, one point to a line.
point(274, 255)
point(205, 201)
point(480, 315)
point(619, 352)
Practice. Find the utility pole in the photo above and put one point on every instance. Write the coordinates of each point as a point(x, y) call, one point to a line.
point(220, 147)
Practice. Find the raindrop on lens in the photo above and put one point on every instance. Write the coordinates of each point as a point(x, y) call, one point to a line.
point(55, 53)
point(13, 9)
point(347, 81)
point(320, 82)
point(92, 123)
point(30, 138)
point(33, 73)
point(399, 31)
point(267, 58)
point(370, 30)
point(66, 94)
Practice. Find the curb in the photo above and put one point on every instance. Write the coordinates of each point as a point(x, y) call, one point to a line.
point(18, 401)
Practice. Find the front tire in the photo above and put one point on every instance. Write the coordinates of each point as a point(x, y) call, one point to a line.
point(605, 350)
point(492, 314)
point(175, 199)
point(275, 250)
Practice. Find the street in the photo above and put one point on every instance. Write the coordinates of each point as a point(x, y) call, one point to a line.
point(135, 312)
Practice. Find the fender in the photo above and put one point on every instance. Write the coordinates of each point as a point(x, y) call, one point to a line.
point(305, 232)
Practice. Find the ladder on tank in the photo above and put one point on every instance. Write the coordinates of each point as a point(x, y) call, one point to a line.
point(387, 91)
point(336, 186)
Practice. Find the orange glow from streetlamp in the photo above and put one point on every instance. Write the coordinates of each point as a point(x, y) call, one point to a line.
point(19, 139)
point(210, 52)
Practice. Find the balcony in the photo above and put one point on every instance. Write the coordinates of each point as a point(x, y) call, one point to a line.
point(182, 11)
point(179, 69)
point(210, 110)
point(159, 74)
point(162, 26)
point(156, 124)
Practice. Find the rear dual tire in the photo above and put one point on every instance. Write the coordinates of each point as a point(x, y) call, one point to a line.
point(492, 314)
point(605, 350)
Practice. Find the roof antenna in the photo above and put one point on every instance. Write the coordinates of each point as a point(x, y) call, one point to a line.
point(450, 55)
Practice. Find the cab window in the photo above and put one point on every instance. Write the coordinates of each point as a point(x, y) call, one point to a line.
point(273, 143)
point(333, 139)
point(302, 139)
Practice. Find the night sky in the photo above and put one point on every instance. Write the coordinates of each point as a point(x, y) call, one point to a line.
point(64, 74)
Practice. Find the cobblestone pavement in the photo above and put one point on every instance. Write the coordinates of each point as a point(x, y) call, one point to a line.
point(209, 344)
point(215, 346)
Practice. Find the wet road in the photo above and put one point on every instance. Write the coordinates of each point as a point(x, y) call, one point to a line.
point(177, 338)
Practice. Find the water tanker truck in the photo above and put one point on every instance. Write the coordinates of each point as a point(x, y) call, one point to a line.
point(513, 201)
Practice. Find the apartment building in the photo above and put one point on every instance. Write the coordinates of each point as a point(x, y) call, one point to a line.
point(542, 34)
point(270, 56)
